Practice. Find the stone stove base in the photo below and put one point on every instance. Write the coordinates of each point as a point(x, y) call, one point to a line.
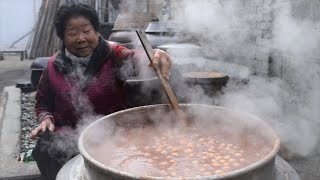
point(75, 170)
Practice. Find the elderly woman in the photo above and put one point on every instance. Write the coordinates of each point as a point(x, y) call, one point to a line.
point(81, 79)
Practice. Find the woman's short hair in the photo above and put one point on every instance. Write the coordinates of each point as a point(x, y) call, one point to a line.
point(74, 9)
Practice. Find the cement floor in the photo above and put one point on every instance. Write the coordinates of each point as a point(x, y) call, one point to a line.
point(13, 70)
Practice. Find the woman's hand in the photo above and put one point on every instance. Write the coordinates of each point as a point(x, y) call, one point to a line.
point(162, 60)
point(46, 123)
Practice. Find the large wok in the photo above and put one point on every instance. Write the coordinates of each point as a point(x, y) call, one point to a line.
point(207, 117)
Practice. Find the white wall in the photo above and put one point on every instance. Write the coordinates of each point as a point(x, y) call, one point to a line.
point(17, 17)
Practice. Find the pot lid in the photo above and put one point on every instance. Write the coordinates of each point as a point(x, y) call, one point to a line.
point(159, 27)
point(204, 75)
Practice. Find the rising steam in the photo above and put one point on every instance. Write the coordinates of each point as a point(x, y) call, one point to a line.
point(290, 101)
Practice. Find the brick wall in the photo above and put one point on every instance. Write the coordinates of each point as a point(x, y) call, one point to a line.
point(306, 13)
point(143, 6)
point(256, 17)
point(249, 32)
point(155, 7)
point(137, 13)
point(263, 32)
point(254, 20)
point(268, 60)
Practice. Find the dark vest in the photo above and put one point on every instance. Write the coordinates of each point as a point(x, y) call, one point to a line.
point(103, 94)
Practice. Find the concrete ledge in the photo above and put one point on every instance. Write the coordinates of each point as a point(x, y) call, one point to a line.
point(10, 130)
point(3, 102)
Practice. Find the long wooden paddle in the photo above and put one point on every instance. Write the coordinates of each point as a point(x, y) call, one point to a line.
point(165, 84)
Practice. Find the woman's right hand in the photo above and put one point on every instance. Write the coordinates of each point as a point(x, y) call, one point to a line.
point(43, 126)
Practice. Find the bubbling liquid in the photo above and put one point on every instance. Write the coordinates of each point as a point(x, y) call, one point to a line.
point(177, 153)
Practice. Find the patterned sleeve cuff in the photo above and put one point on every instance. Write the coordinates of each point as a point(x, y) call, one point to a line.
point(42, 116)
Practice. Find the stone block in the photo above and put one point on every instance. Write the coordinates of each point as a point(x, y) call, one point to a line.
point(260, 56)
point(263, 42)
point(264, 25)
point(10, 168)
point(276, 65)
point(258, 2)
point(261, 68)
point(267, 16)
point(301, 9)
point(266, 33)
point(259, 9)
point(258, 33)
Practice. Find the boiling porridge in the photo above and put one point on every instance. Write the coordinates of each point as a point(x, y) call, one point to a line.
point(178, 153)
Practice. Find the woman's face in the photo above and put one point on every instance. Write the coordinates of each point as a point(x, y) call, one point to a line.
point(80, 38)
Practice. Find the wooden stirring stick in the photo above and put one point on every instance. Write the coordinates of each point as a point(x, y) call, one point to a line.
point(165, 84)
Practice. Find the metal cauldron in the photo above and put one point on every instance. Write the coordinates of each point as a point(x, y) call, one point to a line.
point(224, 118)
point(211, 82)
point(141, 92)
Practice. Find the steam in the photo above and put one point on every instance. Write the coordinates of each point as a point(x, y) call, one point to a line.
point(290, 101)
point(65, 142)
point(219, 27)
point(298, 41)
point(295, 37)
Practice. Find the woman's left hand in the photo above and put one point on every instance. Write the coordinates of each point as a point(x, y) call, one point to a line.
point(162, 60)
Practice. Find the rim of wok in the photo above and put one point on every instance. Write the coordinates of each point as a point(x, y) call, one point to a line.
point(238, 172)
